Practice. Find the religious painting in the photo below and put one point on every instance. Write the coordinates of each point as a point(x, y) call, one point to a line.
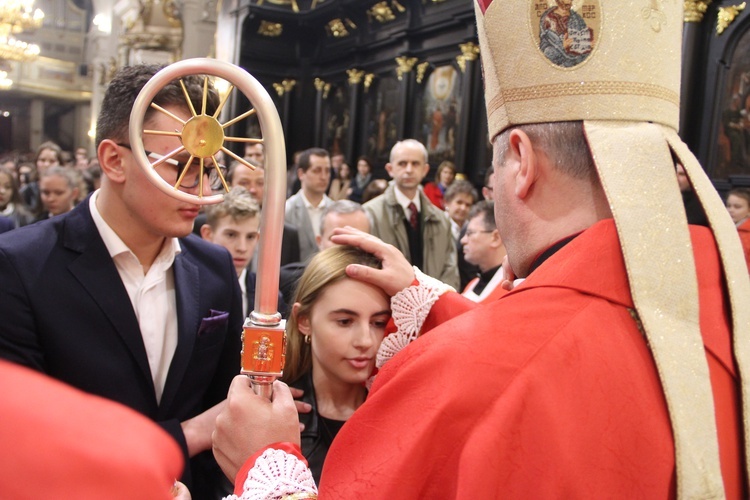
point(566, 31)
point(381, 116)
point(733, 140)
point(440, 113)
point(336, 119)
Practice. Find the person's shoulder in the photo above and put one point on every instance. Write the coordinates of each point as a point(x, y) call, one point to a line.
point(32, 239)
point(205, 251)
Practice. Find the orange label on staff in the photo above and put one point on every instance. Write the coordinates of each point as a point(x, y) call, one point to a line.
point(263, 351)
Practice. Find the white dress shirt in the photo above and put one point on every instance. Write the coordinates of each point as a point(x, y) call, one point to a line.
point(152, 295)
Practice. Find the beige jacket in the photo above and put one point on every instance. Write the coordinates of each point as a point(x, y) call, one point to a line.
point(439, 250)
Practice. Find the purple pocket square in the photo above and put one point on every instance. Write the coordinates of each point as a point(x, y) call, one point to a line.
point(216, 321)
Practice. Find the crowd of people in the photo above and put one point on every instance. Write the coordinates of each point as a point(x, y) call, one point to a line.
point(439, 344)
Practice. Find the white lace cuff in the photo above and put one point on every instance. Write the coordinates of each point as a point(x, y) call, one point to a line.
point(410, 308)
point(277, 475)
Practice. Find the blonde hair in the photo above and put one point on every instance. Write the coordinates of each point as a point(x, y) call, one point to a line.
point(238, 203)
point(326, 268)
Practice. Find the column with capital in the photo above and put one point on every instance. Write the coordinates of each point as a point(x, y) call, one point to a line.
point(471, 89)
point(356, 77)
point(694, 11)
point(405, 64)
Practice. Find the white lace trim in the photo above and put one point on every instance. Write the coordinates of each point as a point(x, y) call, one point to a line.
point(276, 475)
point(410, 308)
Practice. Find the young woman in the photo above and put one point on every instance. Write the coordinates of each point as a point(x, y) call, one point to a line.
point(48, 155)
point(341, 186)
point(59, 189)
point(334, 331)
point(362, 179)
point(11, 205)
point(444, 177)
point(738, 205)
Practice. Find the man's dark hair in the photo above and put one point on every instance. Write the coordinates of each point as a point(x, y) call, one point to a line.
point(485, 208)
point(303, 163)
point(487, 174)
point(460, 186)
point(114, 117)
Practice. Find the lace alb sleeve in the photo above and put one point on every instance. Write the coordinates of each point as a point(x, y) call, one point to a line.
point(410, 308)
point(278, 475)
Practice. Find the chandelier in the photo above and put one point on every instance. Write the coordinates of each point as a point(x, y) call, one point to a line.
point(17, 16)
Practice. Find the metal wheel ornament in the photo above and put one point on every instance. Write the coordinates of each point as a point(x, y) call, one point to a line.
point(203, 135)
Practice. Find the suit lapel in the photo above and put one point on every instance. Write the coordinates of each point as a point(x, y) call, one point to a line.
point(305, 223)
point(96, 271)
point(187, 291)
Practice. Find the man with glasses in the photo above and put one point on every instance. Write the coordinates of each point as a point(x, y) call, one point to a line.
point(484, 248)
point(115, 299)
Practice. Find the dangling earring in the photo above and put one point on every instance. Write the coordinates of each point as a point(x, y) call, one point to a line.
point(308, 339)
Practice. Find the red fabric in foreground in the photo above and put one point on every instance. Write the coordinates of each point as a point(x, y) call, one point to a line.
point(61, 443)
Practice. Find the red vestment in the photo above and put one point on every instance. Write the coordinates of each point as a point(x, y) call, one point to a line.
point(548, 392)
point(59, 442)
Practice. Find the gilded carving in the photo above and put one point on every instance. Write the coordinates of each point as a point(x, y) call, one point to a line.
point(405, 65)
point(422, 70)
point(381, 12)
point(285, 86)
point(270, 29)
point(695, 9)
point(336, 28)
point(368, 80)
point(355, 76)
point(319, 84)
point(326, 90)
point(461, 60)
point(469, 50)
point(727, 16)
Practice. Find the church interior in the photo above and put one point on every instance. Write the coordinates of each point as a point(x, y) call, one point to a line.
point(351, 76)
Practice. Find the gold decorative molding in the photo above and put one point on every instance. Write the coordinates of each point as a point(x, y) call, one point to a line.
point(422, 70)
point(727, 16)
point(322, 86)
point(470, 50)
point(381, 12)
point(270, 29)
point(285, 86)
point(369, 77)
point(336, 28)
point(355, 76)
point(694, 10)
point(405, 65)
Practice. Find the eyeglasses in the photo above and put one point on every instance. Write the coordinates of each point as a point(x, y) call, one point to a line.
point(189, 175)
point(469, 232)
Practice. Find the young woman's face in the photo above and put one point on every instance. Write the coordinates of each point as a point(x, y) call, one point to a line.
point(47, 158)
point(6, 190)
point(363, 168)
point(738, 207)
point(57, 195)
point(344, 171)
point(446, 176)
point(347, 325)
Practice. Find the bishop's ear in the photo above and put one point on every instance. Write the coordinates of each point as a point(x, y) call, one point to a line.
point(521, 148)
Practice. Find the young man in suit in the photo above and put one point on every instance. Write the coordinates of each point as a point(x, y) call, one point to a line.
point(305, 209)
point(114, 299)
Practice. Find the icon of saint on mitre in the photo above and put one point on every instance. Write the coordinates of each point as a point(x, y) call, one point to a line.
point(567, 30)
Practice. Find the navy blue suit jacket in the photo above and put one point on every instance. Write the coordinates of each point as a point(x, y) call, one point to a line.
point(6, 224)
point(67, 313)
